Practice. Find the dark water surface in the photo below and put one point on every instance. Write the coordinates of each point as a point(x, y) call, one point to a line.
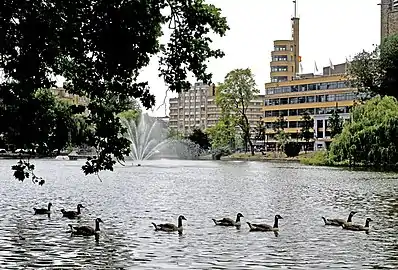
point(130, 198)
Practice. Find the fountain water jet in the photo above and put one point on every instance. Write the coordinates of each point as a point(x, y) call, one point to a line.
point(147, 137)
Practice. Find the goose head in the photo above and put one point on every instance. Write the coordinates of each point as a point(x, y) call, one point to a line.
point(98, 220)
point(182, 218)
point(240, 215)
point(369, 219)
point(278, 217)
point(49, 205)
point(80, 206)
point(353, 213)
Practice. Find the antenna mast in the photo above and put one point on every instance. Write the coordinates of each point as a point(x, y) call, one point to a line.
point(295, 8)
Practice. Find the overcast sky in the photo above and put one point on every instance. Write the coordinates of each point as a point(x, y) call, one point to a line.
point(333, 29)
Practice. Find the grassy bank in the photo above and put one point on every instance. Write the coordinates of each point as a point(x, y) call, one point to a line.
point(318, 158)
point(269, 156)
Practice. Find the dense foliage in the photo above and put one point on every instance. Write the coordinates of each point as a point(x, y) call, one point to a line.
point(371, 136)
point(100, 48)
point(233, 97)
point(281, 136)
point(292, 149)
point(222, 135)
point(307, 129)
point(261, 134)
point(335, 123)
point(376, 72)
point(200, 138)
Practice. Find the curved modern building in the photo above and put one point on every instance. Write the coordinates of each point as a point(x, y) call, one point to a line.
point(285, 57)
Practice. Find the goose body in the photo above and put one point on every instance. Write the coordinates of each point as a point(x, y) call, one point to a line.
point(43, 211)
point(265, 227)
point(228, 221)
point(72, 214)
point(86, 230)
point(169, 227)
point(338, 221)
point(358, 227)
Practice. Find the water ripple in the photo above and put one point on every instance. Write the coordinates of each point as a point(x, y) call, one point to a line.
point(129, 199)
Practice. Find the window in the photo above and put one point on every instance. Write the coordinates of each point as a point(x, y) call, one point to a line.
point(310, 99)
point(283, 113)
point(279, 58)
point(319, 123)
point(293, 100)
point(293, 112)
point(279, 68)
point(280, 48)
point(303, 88)
point(313, 86)
point(342, 84)
point(284, 101)
point(333, 85)
point(320, 98)
point(275, 113)
point(330, 97)
point(280, 78)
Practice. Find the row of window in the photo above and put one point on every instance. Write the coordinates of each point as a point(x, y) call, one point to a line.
point(311, 111)
point(280, 68)
point(277, 58)
point(279, 79)
point(282, 48)
point(307, 87)
point(310, 99)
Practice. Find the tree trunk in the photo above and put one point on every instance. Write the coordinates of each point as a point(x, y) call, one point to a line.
point(251, 145)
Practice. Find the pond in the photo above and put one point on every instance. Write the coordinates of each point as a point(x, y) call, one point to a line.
point(129, 199)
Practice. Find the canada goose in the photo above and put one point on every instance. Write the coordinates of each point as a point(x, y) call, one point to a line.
point(228, 221)
point(169, 227)
point(339, 221)
point(357, 227)
point(43, 211)
point(86, 230)
point(72, 214)
point(265, 227)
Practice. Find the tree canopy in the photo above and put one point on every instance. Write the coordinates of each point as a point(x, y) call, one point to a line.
point(335, 123)
point(234, 95)
point(99, 47)
point(222, 135)
point(370, 138)
point(200, 138)
point(376, 72)
point(307, 129)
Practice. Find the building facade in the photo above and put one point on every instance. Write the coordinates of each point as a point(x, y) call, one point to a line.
point(318, 95)
point(389, 18)
point(196, 108)
point(285, 59)
point(62, 94)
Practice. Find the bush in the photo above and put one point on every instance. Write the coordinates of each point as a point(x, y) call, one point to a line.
point(292, 149)
point(319, 158)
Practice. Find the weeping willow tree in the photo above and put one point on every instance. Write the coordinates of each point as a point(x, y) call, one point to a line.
point(370, 138)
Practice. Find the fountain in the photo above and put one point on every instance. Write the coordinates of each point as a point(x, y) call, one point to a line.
point(149, 137)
